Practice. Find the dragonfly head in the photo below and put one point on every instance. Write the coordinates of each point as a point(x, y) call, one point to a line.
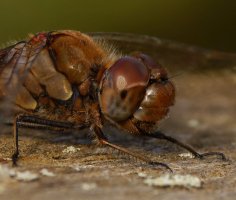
point(136, 87)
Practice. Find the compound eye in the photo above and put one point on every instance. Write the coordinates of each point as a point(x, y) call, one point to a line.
point(128, 72)
point(146, 59)
point(123, 88)
point(157, 71)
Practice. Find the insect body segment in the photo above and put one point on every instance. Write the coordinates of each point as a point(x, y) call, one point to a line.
point(49, 63)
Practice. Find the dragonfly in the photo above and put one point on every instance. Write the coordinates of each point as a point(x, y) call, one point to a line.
point(69, 80)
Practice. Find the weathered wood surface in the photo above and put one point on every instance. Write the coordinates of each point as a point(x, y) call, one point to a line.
point(204, 117)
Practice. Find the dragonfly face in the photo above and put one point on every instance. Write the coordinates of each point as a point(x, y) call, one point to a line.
point(70, 67)
point(134, 88)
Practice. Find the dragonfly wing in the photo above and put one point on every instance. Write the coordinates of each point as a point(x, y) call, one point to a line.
point(15, 63)
point(173, 55)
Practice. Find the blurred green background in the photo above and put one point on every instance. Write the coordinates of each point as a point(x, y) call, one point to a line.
point(208, 23)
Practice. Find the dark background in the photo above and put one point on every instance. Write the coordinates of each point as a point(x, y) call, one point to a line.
point(208, 23)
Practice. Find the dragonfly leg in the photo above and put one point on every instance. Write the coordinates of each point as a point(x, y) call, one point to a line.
point(16, 143)
point(32, 121)
point(103, 140)
point(161, 135)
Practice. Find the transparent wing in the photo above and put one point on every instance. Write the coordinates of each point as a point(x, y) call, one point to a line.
point(173, 55)
point(15, 62)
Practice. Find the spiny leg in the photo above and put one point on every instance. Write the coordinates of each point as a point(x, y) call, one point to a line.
point(39, 126)
point(41, 121)
point(16, 142)
point(161, 135)
point(31, 121)
point(103, 140)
